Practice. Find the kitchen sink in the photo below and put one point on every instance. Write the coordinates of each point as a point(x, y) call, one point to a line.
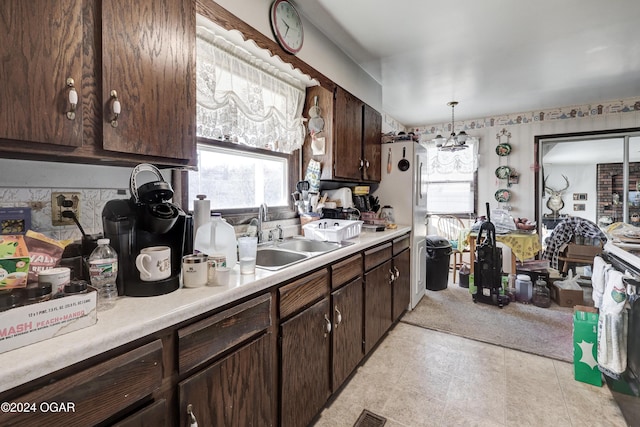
point(278, 255)
point(275, 259)
point(308, 245)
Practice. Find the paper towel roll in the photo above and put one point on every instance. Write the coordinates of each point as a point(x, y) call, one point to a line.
point(201, 212)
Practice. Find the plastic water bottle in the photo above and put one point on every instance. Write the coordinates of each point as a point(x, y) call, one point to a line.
point(103, 270)
point(217, 237)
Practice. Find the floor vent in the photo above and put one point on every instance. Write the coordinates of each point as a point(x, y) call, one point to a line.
point(369, 419)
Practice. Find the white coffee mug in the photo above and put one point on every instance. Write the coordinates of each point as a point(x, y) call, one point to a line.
point(154, 263)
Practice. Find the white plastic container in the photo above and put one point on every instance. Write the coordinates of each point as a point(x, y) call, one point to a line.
point(524, 288)
point(217, 237)
point(332, 230)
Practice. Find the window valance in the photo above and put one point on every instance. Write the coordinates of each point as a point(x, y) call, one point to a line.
point(444, 165)
point(244, 99)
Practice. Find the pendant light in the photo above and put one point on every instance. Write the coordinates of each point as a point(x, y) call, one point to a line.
point(454, 142)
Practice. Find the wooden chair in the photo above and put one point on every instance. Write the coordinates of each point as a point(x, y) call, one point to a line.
point(449, 227)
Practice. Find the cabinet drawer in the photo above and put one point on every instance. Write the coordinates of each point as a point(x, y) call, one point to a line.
point(343, 271)
point(208, 338)
point(400, 244)
point(98, 392)
point(377, 256)
point(303, 292)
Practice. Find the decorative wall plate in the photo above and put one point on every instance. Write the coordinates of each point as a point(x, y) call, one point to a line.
point(503, 149)
point(503, 195)
point(503, 172)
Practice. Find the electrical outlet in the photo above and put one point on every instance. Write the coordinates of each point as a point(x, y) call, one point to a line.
point(64, 202)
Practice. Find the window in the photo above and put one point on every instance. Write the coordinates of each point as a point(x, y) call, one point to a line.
point(451, 179)
point(249, 124)
point(236, 179)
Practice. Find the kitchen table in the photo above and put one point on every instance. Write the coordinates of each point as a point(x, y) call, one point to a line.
point(523, 246)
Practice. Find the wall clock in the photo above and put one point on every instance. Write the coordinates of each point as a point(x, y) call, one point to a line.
point(287, 26)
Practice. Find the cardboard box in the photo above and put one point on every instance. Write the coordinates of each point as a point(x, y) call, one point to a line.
point(566, 297)
point(28, 324)
point(14, 262)
point(585, 345)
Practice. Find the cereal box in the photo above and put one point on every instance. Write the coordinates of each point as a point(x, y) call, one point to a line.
point(14, 262)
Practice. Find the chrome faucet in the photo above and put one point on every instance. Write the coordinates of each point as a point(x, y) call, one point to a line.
point(263, 212)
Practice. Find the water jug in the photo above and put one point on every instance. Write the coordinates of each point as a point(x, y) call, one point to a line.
point(217, 237)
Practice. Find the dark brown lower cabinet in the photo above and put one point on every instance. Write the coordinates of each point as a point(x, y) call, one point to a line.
point(377, 303)
point(305, 363)
point(234, 391)
point(347, 330)
point(401, 283)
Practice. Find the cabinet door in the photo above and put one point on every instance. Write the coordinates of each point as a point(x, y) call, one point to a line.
point(402, 283)
point(371, 143)
point(377, 304)
point(41, 47)
point(148, 59)
point(347, 136)
point(347, 330)
point(233, 392)
point(305, 361)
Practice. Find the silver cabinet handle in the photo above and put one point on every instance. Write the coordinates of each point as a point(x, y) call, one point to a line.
point(192, 418)
point(327, 327)
point(338, 317)
point(73, 99)
point(397, 273)
point(115, 108)
point(392, 277)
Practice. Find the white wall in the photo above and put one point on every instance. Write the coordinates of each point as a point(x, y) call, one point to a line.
point(582, 179)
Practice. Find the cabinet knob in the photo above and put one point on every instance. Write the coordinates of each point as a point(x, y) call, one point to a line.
point(73, 99)
point(397, 273)
point(193, 422)
point(361, 164)
point(115, 108)
point(338, 316)
point(392, 276)
point(327, 326)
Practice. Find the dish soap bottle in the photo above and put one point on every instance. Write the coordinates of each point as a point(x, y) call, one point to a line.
point(217, 237)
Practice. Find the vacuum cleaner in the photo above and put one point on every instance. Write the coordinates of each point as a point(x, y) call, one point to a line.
point(487, 267)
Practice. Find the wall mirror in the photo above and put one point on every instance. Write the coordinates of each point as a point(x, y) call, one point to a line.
point(595, 176)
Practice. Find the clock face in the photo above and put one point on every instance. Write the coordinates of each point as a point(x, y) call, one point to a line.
point(287, 26)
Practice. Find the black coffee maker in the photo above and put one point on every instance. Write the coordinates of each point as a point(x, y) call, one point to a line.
point(146, 219)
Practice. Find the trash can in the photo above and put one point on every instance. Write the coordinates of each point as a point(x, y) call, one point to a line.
point(438, 256)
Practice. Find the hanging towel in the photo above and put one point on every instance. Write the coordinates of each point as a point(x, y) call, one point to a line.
point(600, 268)
point(612, 326)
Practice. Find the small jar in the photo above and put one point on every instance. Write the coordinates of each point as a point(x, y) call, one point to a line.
point(37, 292)
point(76, 286)
point(541, 295)
point(524, 288)
point(11, 298)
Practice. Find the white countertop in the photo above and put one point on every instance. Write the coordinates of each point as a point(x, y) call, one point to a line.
point(133, 318)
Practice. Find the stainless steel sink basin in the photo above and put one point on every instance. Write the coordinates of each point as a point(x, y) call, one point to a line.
point(275, 259)
point(302, 245)
point(278, 255)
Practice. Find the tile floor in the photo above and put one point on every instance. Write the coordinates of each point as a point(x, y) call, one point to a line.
point(419, 377)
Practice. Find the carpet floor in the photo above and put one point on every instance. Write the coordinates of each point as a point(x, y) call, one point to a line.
point(543, 331)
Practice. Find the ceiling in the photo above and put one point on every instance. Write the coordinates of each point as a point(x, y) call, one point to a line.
point(494, 57)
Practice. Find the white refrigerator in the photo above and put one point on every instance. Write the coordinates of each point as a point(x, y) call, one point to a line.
point(403, 187)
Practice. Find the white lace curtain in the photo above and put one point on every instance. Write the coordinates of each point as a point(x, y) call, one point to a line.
point(243, 99)
point(441, 165)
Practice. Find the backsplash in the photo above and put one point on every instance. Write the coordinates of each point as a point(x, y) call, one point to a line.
point(39, 200)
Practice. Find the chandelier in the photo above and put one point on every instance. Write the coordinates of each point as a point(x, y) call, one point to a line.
point(454, 142)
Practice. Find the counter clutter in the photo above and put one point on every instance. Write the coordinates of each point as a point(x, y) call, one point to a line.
point(136, 317)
